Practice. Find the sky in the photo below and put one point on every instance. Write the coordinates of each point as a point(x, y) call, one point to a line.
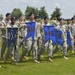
point(67, 6)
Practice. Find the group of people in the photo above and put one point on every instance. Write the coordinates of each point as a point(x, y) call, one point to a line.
point(37, 47)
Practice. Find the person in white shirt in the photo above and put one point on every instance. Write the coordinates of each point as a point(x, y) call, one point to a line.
point(5, 22)
point(69, 28)
point(73, 34)
point(63, 48)
point(30, 44)
point(48, 45)
point(12, 46)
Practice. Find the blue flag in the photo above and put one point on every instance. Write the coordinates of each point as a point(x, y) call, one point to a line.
point(68, 39)
point(49, 33)
point(30, 30)
point(59, 37)
point(12, 35)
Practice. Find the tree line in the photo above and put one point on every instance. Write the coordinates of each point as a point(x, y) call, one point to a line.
point(38, 12)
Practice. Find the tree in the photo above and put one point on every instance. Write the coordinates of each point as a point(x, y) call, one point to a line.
point(30, 9)
point(16, 12)
point(42, 12)
point(74, 16)
point(55, 12)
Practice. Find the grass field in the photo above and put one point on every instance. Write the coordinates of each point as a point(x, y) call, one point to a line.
point(60, 66)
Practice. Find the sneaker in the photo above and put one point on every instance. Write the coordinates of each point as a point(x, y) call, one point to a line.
point(12, 58)
point(41, 56)
point(36, 61)
point(25, 57)
point(0, 66)
point(65, 58)
point(50, 60)
point(72, 52)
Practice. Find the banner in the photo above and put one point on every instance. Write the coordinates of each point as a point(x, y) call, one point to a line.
point(12, 35)
point(49, 33)
point(30, 30)
point(59, 37)
point(68, 39)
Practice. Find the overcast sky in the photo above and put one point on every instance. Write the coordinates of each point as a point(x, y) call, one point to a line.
point(67, 6)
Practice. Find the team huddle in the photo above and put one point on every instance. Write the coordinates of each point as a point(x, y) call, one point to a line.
point(35, 47)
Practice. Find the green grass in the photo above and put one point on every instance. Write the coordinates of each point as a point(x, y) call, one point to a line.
point(60, 66)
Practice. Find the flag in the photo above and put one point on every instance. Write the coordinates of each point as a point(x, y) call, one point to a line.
point(30, 30)
point(49, 33)
point(59, 37)
point(68, 39)
point(52, 36)
point(12, 35)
